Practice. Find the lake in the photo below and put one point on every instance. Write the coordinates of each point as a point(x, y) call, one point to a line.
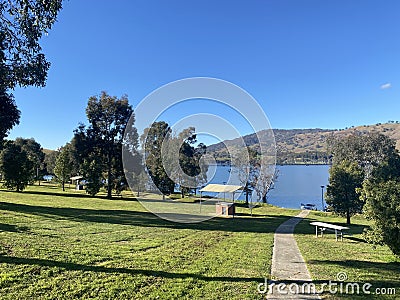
point(296, 184)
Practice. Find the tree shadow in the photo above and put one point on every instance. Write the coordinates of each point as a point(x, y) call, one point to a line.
point(377, 267)
point(266, 224)
point(155, 273)
point(73, 195)
point(12, 228)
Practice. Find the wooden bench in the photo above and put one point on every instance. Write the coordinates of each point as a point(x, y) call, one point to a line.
point(321, 227)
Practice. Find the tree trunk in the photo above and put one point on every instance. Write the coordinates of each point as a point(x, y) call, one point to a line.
point(109, 188)
point(182, 193)
point(264, 198)
point(37, 174)
point(348, 217)
point(63, 186)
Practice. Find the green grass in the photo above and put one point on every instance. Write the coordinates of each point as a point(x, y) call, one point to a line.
point(56, 245)
point(361, 262)
point(67, 245)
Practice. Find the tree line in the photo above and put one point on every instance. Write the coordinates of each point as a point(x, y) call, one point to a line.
point(365, 179)
point(95, 150)
point(95, 153)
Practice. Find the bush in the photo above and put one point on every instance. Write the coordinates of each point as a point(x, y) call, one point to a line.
point(382, 205)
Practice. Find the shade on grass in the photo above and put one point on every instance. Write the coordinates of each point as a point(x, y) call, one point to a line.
point(68, 245)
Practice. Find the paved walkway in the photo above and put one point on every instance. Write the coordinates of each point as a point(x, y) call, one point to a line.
point(288, 266)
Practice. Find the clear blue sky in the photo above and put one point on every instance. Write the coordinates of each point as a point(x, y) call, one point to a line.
point(309, 63)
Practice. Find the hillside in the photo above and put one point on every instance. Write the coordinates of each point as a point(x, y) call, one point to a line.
point(47, 151)
point(303, 146)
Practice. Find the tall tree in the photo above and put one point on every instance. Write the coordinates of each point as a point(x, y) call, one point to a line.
point(246, 164)
point(64, 164)
point(354, 156)
point(201, 163)
point(195, 173)
point(187, 161)
point(263, 181)
point(153, 139)
point(381, 194)
point(344, 180)
point(15, 166)
point(88, 161)
point(254, 176)
point(132, 159)
point(101, 142)
point(22, 24)
point(183, 161)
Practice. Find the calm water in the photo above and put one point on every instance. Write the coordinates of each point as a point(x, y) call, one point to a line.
point(295, 184)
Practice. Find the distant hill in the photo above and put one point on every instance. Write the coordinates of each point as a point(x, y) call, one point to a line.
point(47, 151)
point(303, 146)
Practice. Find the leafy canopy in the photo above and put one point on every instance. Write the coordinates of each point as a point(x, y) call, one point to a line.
point(381, 194)
point(16, 167)
point(9, 113)
point(22, 25)
point(98, 148)
point(64, 165)
point(344, 180)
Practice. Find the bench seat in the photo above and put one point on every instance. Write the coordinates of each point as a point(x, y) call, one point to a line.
point(321, 227)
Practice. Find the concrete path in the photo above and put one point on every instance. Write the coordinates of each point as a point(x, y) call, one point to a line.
point(290, 277)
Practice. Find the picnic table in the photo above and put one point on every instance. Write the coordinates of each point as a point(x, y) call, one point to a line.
point(321, 227)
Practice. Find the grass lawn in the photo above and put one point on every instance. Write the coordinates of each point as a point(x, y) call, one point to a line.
point(66, 245)
point(361, 262)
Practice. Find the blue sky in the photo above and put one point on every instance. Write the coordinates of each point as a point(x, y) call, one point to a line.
point(325, 64)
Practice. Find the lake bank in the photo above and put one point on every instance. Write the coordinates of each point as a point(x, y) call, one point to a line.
point(295, 184)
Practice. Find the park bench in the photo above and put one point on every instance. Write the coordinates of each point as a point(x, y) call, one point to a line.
point(321, 227)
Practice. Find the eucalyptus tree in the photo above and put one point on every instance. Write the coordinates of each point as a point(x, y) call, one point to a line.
point(253, 176)
point(22, 62)
point(183, 160)
point(246, 163)
point(345, 178)
point(98, 148)
point(368, 150)
point(152, 141)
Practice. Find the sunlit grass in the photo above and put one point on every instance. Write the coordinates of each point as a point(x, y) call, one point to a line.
point(67, 245)
point(361, 262)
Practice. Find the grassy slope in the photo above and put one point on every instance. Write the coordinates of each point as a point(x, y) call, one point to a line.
point(295, 141)
point(66, 246)
point(360, 261)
